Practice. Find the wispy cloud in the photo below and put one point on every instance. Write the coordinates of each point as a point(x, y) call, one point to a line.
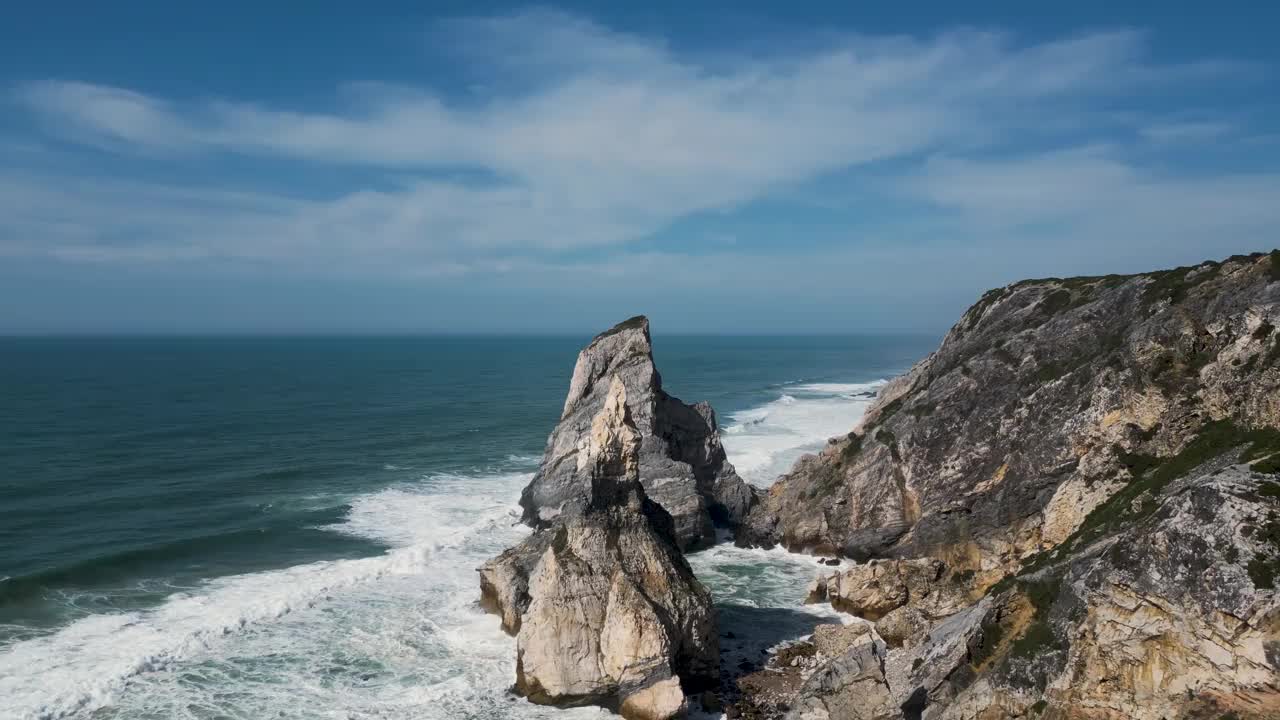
point(577, 138)
point(1175, 131)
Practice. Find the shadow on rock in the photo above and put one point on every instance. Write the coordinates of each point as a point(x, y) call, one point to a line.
point(747, 633)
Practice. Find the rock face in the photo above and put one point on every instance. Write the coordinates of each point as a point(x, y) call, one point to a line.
point(1170, 613)
point(606, 609)
point(838, 674)
point(1077, 500)
point(681, 461)
point(849, 686)
point(1175, 613)
point(1033, 412)
point(903, 597)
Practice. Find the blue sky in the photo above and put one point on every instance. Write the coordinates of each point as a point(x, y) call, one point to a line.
point(735, 167)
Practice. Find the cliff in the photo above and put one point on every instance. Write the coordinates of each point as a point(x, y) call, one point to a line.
point(603, 604)
point(1038, 406)
point(605, 608)
point(682, 464)
point(1070, 509)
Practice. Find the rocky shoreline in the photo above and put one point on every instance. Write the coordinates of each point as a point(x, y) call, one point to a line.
point(1069, 510)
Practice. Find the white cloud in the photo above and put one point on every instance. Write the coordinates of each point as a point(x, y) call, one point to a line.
point(1093, 187)
point(107, 115)
point(587, 139)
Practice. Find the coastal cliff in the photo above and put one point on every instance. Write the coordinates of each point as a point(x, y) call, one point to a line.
point(1069, 510)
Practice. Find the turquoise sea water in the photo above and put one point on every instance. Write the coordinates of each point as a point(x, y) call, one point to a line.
point(288, 527)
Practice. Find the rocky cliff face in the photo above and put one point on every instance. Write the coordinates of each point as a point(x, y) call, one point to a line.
point(1033, 412)
point(1172, 615)
point(681, 462)
point(1076, 505)
point(605, 608)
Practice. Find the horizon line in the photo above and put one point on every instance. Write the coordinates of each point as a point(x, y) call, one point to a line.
point(346, 333)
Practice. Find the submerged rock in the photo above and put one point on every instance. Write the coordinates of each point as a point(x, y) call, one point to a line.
point(604, 606)
point(682, 464)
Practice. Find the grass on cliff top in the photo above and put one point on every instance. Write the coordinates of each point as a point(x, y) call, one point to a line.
point(1079, 282)
point(631, 323)
point(1072, 293)
point(1172, 284)
point(1055, 302)
point(989, 298)
point(1175, 284)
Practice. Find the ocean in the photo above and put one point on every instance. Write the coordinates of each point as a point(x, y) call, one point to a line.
point(289, 527)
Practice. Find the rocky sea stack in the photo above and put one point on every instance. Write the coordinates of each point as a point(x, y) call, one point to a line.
point(1069, 510)
point(604, 606)
point(681, 462)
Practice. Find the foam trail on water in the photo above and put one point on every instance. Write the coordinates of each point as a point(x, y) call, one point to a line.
point(764, 442)
point(244, 645)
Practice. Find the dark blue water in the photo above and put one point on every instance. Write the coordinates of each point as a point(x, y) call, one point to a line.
point(132, 469)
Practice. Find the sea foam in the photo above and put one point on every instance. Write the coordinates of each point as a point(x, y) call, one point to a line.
point(764, 442)
point(441, 531)
point(398, 635)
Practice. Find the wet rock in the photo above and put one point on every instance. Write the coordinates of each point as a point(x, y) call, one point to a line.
point(817, 591)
